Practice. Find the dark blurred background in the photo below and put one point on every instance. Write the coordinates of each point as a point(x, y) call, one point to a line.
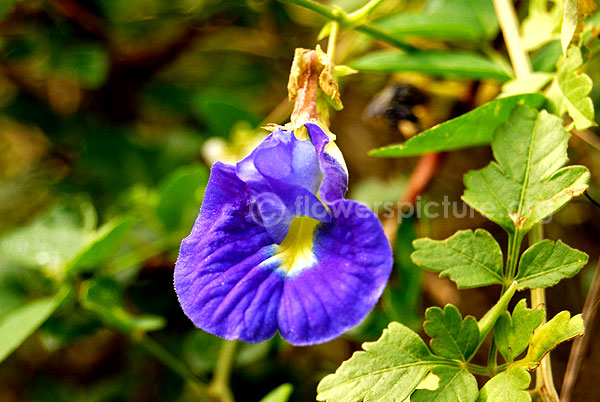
point(111, 113)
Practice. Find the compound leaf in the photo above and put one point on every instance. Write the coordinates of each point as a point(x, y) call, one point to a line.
point(546, 263)
point(471, 259)
point(526, 184)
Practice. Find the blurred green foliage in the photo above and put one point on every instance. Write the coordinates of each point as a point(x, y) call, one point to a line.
point(111, 114)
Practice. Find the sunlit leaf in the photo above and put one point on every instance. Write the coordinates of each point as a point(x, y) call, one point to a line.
point(471, 259)
point(438, 63)
point(513, 332)
point(546, 263)
point(472, 129)
point(451, 336)
point(569, 24)
point(542, 24)
point(526, 184)
point(559, 329)
point(508, 386)
point(387, 370)
point(570, 91)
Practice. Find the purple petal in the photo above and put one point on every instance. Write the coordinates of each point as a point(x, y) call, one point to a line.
point(283, 174)
point(335, 180)
point(354, 261)
point(221, 278)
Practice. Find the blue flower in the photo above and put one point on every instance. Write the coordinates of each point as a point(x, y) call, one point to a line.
point(276, 247)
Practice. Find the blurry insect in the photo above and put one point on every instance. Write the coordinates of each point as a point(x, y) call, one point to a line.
point(395, 107)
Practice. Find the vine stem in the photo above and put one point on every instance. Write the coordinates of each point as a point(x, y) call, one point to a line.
point(219, 385)
point(522, 68)
point(156, 349)
point(344, 20)
point(510, 30)
point(335, 28)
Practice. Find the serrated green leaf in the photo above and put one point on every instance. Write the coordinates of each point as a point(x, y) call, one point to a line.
point(471, 259)
point(387, 370)
point(472, 129)
point(546, 263)
point(451, 336)
point(512, 333)
point(102, 245)
point(559, 329)
point(569, 24)
point(524, 186)
point(445, 20)
point(280, 394)
point(455, 384)
point(570, 91)
point(508, 386)
point(103, 297)
point(437, 63)
point(21, 322)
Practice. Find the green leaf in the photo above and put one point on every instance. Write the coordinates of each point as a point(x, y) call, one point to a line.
point(531, 83)
point(524, 186)
point(546, 263)
point(103, 297)
point(512, 333)
point(570, 91)
point(559, 329)
point(6, 6)
point(451, 336)
point(102, 245)
point(455, 385)
point(387, 370)
point(21, 322)
point(438, 63)
point(569, 24)
point(469, 259)
point(508, 386)
point(180, 196)
point(280, 394)
point(445, 20)
point(472, 129)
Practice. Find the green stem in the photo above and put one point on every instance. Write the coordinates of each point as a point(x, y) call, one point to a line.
point(544, 382)
point(154, 348)
point(344, 21)
point(364, 12)
point(514, 246)
point(510, 30)
point(220, 383)
point(335, 28)
point(489, 319)
point(478, 370)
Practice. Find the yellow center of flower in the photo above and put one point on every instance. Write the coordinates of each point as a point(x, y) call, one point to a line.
point(295, 252)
